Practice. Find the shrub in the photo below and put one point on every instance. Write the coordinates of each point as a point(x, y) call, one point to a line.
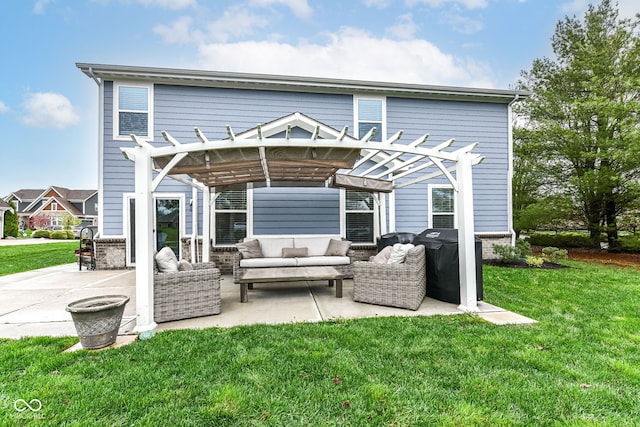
point(58, 235)
point(40, 233)
point(630, 243)
point(554, 254)
point(563, 240)
point(508, 253)
point(534, 261)
point(10, 221)
point(70, 234)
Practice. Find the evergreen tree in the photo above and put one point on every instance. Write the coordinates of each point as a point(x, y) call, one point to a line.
point(582, 125)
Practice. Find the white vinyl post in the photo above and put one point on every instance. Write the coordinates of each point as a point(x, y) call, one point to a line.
point(194, 224)
point(466, 234)
point(144, 240)
point(206, 223)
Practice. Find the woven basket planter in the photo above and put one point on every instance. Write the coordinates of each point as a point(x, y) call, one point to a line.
point(97, 319)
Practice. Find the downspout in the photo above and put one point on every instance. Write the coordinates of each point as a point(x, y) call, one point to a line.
point(100, 84)
point(510, 169)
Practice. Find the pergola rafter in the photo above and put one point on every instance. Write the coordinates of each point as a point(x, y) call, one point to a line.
point(270, 155)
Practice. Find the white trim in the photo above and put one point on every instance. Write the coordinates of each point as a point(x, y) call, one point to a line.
point(356, 127)
point(375, 212)
point(248, 211)
point(430, 188)
point(181, 212)
point(126, 226)
point(116, 110)
point(101, 158)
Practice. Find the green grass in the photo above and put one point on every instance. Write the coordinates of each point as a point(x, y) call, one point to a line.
point(579, 366)
point(30, 257)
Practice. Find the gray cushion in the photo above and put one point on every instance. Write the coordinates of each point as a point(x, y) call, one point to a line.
point(338, 247)
point(383, 256)
point(295, 252)
point(399, 253)
point(184, 265)
point(250, 249)
point(166, 260)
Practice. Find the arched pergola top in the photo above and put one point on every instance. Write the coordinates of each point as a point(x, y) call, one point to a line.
point(271, 154)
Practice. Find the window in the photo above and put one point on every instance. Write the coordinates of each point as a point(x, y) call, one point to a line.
point(132, 111)
point(359, 216)
point(442, 207)
point(231, 216)
point(370, 113)
point(54, 206)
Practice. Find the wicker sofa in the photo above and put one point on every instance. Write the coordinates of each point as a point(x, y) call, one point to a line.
point(397, 285)
point(184, 294)
point(273, 254)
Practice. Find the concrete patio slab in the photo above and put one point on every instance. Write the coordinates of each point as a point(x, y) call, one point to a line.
point(33, 303)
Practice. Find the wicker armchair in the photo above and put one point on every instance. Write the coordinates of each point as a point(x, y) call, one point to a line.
point(397, 285)
point(184, 294)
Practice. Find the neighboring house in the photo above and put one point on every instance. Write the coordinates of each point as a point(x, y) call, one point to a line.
point(39, 208)
point(147, 101)
point(4, 207)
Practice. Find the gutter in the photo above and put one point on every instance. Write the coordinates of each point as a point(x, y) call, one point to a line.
point(515, 99)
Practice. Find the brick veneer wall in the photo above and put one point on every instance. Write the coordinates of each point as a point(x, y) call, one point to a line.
point(111, 253)
point(488, 240)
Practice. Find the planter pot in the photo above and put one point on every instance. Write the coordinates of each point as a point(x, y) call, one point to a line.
point(97, 319)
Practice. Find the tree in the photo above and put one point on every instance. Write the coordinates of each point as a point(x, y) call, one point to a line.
point(582, 118)
point(11, 221)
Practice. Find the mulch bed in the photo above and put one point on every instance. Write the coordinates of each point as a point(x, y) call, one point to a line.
point(522, 264)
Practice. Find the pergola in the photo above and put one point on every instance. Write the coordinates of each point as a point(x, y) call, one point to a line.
point(272, 155)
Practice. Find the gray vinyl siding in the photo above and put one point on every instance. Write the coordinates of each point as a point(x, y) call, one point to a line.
point(466, 122)
point(178, 109)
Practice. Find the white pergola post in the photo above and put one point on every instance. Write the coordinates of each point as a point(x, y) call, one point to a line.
point(144, 240)
point(466, 233)
point(194, 225)
point(206, 223)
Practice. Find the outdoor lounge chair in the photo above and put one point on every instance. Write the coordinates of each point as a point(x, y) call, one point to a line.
point(185, 294)
point(397, 285)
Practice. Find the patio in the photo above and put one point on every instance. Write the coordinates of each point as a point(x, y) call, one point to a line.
point(33, 303)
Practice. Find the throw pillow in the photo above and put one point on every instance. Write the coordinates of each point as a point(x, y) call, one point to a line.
point(383, 256)
point(166, 260)
point(338, 247)
point(184, 265)
point(399, 253)
point(295, 252)
point(250, 249)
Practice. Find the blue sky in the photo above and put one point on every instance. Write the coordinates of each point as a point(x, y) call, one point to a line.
point(48, 108)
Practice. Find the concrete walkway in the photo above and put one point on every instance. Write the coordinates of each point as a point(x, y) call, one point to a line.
point(33, 303)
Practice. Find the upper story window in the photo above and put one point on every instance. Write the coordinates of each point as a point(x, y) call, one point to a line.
point(133, 111)
point(442, 207)
point(370, 113)
point(54, 206)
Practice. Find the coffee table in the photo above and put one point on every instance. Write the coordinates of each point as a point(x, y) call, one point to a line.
point(289, 274)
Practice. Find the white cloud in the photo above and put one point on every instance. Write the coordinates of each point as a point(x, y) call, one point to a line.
point(463, 24)
point(49, 110)
point(351, 54)
point(169, 4)
point(235, 22)
point(626, 8)
point(469, 4)
point(38, 7)
point(380, 4)
point(405, 28)
point(3, 107)
point(179, 31)
point(300, 8)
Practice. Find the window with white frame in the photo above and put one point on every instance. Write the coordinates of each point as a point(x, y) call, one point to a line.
point(442, 207)
point(370, 113)
point(132, 111)
point(231, 216)
point(54, 206)
point(359, 216)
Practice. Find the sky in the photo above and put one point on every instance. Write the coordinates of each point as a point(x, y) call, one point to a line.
point(49, 109)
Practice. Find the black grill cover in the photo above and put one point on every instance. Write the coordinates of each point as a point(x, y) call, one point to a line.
point(443, 275)
point(391, 239)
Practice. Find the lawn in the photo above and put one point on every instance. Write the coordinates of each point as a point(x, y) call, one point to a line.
point(578, 366)
point(18, 258)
